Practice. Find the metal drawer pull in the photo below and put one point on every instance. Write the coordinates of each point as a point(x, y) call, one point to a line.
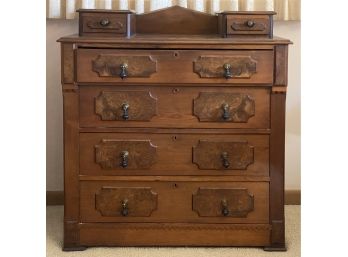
point(225, 162)
point(124, 210)
point(124, 71)
point(250, 23)
point(104, 22)
point(226, 111)
point(125, 108)
point(224, 208)
point(124, 157)
point(227, 72)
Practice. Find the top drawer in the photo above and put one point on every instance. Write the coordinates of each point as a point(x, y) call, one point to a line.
point(174, 66)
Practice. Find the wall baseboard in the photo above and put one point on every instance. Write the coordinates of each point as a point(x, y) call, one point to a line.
point(292, 197)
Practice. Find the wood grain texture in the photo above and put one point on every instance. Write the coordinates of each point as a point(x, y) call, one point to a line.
point(174, 154)
point(281, 66)
point(223, 155)
point(227, 107)
point(141, 201)
point(237, 25)
point(174, 202)
point(141, 154)
point(209, 202)
point(170, 63)
point(158, 234)
point(109, 105)
point(176, 106)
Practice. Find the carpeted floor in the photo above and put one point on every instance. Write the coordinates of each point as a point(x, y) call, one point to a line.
point(55, 234)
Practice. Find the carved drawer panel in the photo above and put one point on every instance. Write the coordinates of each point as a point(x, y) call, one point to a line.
point(163, 66)
point(125, 105)
point(219, 106)
point(167, 153)
point(232, 155)
point(121, 154)
point(248, 24)
point(174, 107)
point(176, 201)
point(126, 201)
point(215, 202)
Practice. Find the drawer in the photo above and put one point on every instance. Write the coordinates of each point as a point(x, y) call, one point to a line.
point(166, 201)
point(173, 154)
point(248, 25)
point(174, 66)
point(179, 107)
point(101, 23)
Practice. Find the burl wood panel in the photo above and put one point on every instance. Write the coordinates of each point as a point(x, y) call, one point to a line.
point(141, 201)
point(174, 201)
point(174, 154)
point(213, 66)
point(109, 65)
point(141, 154)
point(177, 106)
point(222, 155)
point(170, 63)
point(142, 106)
point(177, 234)
point(228, 107)
point(211, 202)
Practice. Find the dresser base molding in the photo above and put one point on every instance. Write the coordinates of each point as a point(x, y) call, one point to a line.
point(160, 234)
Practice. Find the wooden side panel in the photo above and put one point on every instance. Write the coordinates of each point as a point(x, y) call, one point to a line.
point(157, 234)
point(277, 155)
point(281, 65)
point(71, 169)
point(67, 55)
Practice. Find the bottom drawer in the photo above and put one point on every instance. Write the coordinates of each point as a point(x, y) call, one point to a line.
point(163, 201)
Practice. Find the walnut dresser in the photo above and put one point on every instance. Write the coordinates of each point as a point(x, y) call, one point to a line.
point(174, 129)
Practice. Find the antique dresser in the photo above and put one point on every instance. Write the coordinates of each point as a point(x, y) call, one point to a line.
point(174, 129)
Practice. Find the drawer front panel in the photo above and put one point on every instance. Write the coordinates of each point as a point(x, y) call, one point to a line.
point(248, 24)
point(173, 154)
point(163, 66)
point(163, 201)
point(179, 107)
point(104, 23)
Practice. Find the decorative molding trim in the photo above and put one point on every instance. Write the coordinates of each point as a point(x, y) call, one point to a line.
point(292, 197)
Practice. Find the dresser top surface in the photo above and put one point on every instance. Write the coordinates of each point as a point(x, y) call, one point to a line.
point(162, 39)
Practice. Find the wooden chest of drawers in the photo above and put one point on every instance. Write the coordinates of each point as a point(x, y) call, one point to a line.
point(174, 135)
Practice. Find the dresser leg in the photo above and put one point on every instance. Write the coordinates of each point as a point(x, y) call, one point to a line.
point(275, 248)
point(74, 248)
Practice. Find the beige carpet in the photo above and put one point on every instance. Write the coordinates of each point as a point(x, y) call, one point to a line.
point(55, 234)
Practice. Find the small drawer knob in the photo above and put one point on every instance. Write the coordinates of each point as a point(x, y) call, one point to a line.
point(250, 23)
point(224, 208)
point(104, 22)
point(227, 71)
point(125, 108)
point(124, 159)
point(225, 162)
point(124, 71)
point(226, 111)
point(124, 208)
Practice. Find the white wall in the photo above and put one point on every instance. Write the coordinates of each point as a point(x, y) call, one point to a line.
point(58, 28)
